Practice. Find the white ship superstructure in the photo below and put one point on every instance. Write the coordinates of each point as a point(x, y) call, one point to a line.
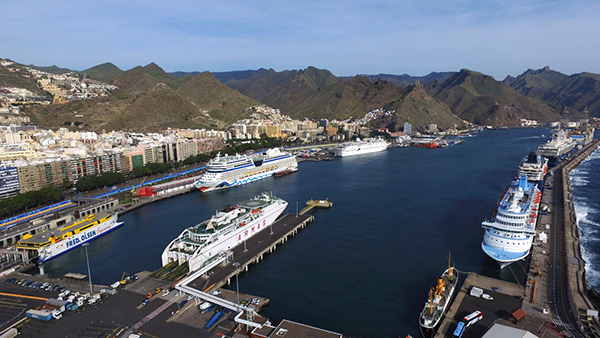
point(509, 234)
point(228, 171)
point(534, 167)
point(201, 243)
point(560, 145)
point(54, 242)
point(359, 147)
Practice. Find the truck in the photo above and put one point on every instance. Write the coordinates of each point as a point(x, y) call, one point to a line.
point(39, 315)
point(56, 314)
point(59, 304)
point(10, 333)
point(476, 292)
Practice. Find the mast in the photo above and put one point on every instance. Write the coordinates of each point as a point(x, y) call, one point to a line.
point(450, 270)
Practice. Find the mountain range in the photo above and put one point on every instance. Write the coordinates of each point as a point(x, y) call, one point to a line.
point(150, 99)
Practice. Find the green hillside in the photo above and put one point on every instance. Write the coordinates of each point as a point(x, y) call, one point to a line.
point(578, 91)
point(20, 79)
point(149, 99)
point(105, 72)
point(482, 100)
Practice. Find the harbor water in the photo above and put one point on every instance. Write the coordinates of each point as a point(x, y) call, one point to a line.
point(364, 267)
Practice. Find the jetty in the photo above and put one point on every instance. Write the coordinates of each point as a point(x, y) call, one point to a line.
point(554, 297)
point(316, 204)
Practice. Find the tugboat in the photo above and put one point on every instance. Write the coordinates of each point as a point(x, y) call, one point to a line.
point(440, 296)
point(286, 172)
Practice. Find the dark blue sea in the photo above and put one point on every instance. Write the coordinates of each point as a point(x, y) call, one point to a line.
point(364, 267)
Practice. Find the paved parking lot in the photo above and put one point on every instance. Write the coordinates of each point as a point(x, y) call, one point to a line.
point(500, 307)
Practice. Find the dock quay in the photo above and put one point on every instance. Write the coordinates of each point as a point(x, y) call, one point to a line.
point(253, 251)
point(316, 204)
point(554, 297)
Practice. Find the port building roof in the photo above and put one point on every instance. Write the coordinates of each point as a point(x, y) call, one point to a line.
point(503, 331)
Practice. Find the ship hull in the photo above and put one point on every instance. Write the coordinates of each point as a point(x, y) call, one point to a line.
point(224, 184)
point(227, 242)
point(54, 250)
point(220, 175)
point(508, 237)
point(359, 148)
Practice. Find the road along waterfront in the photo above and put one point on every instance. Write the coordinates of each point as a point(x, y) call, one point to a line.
point(364, 267)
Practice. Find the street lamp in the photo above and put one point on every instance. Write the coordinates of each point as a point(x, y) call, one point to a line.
point(237, 285)
point(85, 245)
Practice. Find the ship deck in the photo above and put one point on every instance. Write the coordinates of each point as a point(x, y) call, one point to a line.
point(41, 239)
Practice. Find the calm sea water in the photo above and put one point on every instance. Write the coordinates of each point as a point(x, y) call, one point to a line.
point(364, 267)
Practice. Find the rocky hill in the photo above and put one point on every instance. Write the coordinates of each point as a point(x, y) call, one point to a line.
point(105, 72)
point(406, 80)
point(419, 108)
point(19, 77)
point(482, 100)
point(149, 99)
point(576, 91)
point(318, 93)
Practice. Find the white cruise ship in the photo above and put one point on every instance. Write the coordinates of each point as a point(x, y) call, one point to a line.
point(359, 147)
point(534, 167)
point(509, 234)
point(54, 242)
point(197, 245)
point(228, 171)
point(560, 145)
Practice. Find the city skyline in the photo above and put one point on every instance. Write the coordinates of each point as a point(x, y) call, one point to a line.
point(499, 39)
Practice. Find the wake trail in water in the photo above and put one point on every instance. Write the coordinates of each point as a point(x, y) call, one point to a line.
point(585, 183)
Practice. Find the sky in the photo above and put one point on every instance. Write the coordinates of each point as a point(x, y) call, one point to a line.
point(497, 38)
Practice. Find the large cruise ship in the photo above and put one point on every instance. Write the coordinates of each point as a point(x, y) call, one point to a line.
point(201, 243)
point(534, 167)
point(440, 297)
point(560, 145)
point(54, 242)
point(509, 234)
point(359, 147)
point(228, 171)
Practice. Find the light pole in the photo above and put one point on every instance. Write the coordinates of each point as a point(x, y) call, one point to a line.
point(85, 245)
point(237, 285)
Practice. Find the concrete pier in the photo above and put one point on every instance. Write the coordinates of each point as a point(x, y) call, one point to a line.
point(253, 251)
point(555, 290)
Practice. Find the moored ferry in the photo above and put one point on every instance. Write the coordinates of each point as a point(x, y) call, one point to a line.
point(509, 234)
point(359, 147)
point(199, 244)
point(560, 144)
point(55, 242)
point(440, 297)
point(228, 171)
point(534, 167)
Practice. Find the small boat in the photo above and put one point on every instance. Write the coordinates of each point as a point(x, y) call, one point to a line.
point(285, 172)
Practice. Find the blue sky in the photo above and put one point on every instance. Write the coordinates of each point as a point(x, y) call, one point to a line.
point(346, 37)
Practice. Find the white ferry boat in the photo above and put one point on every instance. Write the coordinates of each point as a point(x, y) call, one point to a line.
point(359, 147)
point(509, 234)
point(228, 171)
point(560, 145)
point(201, 243)
point(54, 242)
point(534, 166)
